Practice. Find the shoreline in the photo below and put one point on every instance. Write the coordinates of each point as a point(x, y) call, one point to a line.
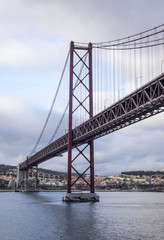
point(113, 190)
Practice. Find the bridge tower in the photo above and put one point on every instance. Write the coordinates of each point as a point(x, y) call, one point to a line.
point(80, 75)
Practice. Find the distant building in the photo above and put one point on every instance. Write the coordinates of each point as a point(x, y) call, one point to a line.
point(2, 183)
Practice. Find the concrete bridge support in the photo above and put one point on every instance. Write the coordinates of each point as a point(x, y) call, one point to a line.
point(80, 197)
point(20, 177)
point(27, 179)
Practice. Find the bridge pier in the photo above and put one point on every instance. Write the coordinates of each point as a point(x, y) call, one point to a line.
point(20, 177)
point(80, 197)
point(27, 179)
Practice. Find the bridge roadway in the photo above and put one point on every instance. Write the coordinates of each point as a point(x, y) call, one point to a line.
point(141, 104)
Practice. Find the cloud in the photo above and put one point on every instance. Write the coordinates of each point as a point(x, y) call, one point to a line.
point(31, 54)
point(37, 33)
point(34, 41)
point(20, 125)
point(18, 114)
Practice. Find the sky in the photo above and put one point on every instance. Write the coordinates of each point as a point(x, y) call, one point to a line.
point(34, 42)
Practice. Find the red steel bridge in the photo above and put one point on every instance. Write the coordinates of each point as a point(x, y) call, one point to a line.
point(111, 85)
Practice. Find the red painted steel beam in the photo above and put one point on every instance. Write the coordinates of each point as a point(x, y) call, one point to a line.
point(91, 143)
point(70, 118)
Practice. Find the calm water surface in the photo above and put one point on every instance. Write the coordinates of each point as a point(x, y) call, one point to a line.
point(43, 216)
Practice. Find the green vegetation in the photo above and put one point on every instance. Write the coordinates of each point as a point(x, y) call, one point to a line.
point(4, 168)
point(47, 171)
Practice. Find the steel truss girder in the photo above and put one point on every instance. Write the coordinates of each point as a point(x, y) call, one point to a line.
point(148, 100)
point(141, 104)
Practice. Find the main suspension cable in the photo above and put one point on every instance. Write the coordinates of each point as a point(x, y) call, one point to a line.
point(132, 36)
point(50, 111)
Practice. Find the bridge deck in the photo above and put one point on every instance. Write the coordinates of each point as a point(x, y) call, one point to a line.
point(143, 103)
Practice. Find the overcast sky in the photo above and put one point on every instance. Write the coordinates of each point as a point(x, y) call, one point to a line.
point(34, 41)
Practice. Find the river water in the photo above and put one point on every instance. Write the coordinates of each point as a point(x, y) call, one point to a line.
point(118, 215)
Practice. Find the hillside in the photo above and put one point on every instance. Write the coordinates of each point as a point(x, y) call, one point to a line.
point(4, 168)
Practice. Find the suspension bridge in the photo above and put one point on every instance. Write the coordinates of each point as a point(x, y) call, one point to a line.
point(103, 87)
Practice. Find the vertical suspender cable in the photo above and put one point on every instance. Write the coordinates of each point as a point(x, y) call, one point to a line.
point(114, 88)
